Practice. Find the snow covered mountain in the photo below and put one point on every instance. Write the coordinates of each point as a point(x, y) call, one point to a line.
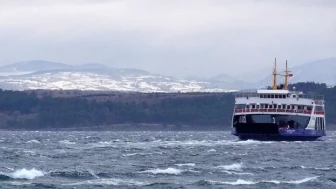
point(107, 79)
point(94, 76)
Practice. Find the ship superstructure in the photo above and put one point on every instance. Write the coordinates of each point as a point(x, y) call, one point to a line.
point(278, 113)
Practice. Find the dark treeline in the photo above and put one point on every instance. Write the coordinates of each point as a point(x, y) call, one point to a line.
point(28, 110)
point(23, 110)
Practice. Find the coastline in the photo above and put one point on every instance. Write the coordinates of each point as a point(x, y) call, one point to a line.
point(141, 127)
point(133, 127)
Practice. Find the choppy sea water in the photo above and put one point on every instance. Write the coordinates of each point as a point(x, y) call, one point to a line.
point(162, 160)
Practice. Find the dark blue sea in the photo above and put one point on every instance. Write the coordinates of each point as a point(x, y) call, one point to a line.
point(162, 160)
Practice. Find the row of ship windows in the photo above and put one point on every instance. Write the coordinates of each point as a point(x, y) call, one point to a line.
point(277, 106)
point(276, 96)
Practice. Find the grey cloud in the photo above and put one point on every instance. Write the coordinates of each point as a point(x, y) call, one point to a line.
point(171, 37)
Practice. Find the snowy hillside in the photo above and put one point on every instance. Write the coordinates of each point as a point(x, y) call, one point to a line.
point(113, 79)
point(95, 76)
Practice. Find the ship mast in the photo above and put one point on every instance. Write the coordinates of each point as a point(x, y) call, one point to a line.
point(275, 76)
point(287, 75)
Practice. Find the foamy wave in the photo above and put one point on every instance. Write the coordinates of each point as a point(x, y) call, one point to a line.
point(186, 164)
point(134, 154)
point(171, 171)
point(114, 182)
point(166, 144)
point(213, 143)
point(238, 182)
point(31, 153)
point(33, 141)
point(26, 174)
point(11, 169)
point(294, 181)
point(248, 142)
point(324, 169)
point(233, 167)
point(318, 168)
point(141, 154)
point(103, 144)
point(236, 173)
point(245, 182)
point(269, 167)
point(212, 150)
point(299, 167)
point(67, 142)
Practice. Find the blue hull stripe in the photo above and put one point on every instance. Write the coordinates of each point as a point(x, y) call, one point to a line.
point(284, 135)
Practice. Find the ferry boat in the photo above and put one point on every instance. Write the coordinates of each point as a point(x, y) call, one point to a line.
point(279, 114)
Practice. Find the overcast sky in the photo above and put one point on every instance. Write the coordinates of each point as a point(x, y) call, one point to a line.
point(172, 37)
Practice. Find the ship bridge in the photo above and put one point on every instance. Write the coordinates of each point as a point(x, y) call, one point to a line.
point(279, 102)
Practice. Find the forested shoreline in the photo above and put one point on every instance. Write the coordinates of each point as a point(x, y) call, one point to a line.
point(43, 110)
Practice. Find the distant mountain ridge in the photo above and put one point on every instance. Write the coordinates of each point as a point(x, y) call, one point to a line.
point(33, 66)
point(42, 65)
point(222, 78)
point(319, 71)
point(92, 66)
point(40, 74)
point(94, 76)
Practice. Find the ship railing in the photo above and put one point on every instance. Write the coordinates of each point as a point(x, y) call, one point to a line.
point(258, 95)
point(277, 110)
point(248, 94)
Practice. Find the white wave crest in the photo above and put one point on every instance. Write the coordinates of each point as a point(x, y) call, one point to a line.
point(318, 168)
point(9, 168)
point(33, 141)
point(171, 171)
point(167, 144)
point(233, 167)
point(324, 169)
point(238, 182)
point(248, 142)
point(186, 164)
point(141, 154)
point(212, 150)
point(26, 174)
point(134, 154)
point(244, 182)
point(112, 181)
point(214, 143)
point(67, 142)
point(293, 181)
point(236, 173)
